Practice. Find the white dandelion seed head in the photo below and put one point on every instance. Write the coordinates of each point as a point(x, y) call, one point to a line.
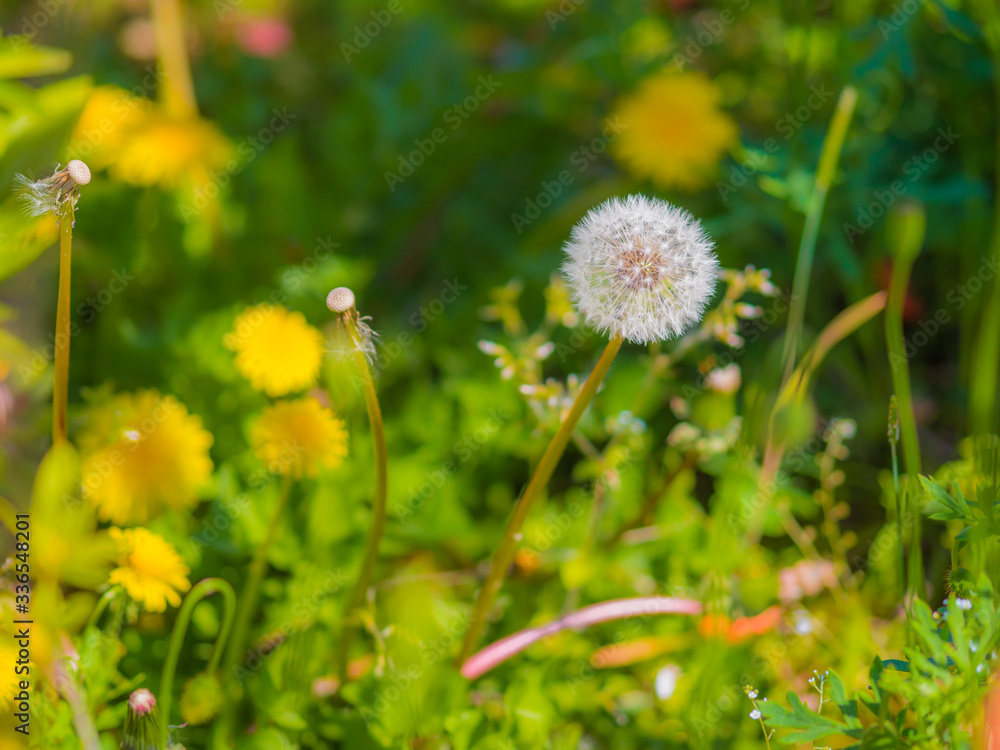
point(340, 299)
point(79, 171)
point(640, 268)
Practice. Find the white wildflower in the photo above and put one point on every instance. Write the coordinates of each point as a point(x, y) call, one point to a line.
point(640, 268)
point(965, 604)
point(755, 714)
point(666, 681)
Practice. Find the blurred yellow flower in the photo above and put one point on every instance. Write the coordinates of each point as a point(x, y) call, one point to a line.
point(673, 130)
point(143, 452)
point(142, 145)
point(299, 438)
point(150, 570)
point(107, 117)
point(171, 152)
point(276, 350)
point(8, 680)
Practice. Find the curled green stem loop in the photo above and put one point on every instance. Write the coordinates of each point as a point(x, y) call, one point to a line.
point(200, 591)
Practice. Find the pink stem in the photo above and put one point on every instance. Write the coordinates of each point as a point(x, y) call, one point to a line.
point(616, 609)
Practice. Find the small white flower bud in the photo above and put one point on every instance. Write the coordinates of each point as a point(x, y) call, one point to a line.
point(340, 300)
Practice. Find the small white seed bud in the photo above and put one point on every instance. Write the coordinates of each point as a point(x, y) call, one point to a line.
point(340, 299)
point(79, 171)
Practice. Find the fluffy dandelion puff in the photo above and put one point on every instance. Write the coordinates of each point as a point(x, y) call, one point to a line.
point(49, 194)
point(149, 569)
point(640, 268)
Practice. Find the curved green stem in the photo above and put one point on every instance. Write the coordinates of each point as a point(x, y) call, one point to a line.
point(251, 590)
point(102, 604)
point(60, 389)
point(200, 591)
point(504, 554)
point(377, 528)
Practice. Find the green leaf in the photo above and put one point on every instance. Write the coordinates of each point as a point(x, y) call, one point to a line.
point(21, 59)
point(811, 725)
point(941, 506)
point(848, 706)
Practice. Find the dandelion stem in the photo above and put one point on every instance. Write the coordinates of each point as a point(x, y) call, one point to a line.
point(910, 242)
point(200, 591)
point(829, 156)
point(543, 472)
point(255, 574)
point(986, 353)
point(177, 89)
point(377, 528)
point(60, 388)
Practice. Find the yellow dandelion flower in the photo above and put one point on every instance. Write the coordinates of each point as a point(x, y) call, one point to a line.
point(299, 438)
point(276, 350)
point(107, 117)
point(143, 453)
point(149, 569)
point(673, 130)
point(171, 152)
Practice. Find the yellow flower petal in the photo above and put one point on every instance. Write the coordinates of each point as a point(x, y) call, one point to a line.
point(299, 438)
point(143, 452)
point(276, 350)
point(150, 570)
point(673, 130)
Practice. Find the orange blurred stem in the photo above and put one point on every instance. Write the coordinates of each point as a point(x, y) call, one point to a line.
point(539, 481)
point(176, 88)
point(60, 388)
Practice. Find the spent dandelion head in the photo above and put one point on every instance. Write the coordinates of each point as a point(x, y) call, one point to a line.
point(360, 335)
point(51, 194)
point(640, 268)
point(149, 569)
point(276, 349)
point(299, 438)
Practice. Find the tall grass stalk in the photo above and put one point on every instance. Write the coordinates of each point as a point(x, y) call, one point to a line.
point(829, 156)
